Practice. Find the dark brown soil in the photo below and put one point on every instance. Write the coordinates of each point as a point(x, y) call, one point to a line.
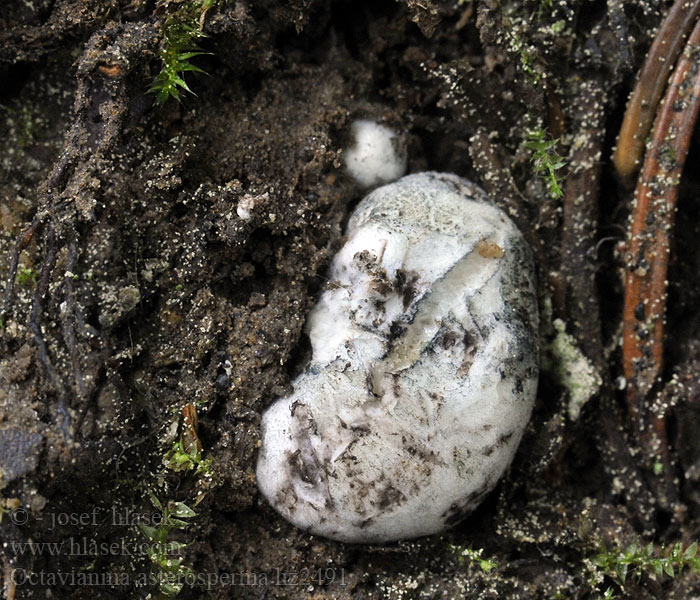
point(139, 289)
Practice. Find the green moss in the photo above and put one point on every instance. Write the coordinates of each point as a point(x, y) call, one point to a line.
point(163, 551)
point(527, 55)
point(638, 561)
point(25, 121)
point(469, 556)
point(182, 30)
point(179, 459)
point(545, 159)
point(27, 276)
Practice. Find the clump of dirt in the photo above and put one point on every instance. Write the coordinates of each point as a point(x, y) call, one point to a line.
point(159, 257)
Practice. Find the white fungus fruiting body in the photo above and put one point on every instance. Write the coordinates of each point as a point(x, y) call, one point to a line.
point(424, 369)
point(377, 155)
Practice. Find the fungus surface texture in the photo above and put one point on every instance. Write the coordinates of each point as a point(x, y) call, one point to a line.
point(377, 155)
point(423, 373)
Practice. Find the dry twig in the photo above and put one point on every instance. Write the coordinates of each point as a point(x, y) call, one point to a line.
point(581, 222)
point(67, 196)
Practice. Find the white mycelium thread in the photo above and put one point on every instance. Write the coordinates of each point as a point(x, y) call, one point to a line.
point(376, 156)
point(424, 369)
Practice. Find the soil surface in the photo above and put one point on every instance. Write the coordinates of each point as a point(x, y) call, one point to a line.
point(158, 263)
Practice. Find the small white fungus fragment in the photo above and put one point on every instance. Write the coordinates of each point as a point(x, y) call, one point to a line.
point(245, 205)
point(573, 370)
point(423, 374)
point(377, 155)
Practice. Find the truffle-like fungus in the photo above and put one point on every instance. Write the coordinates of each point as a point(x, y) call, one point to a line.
point(377, 155)
point(423, 374)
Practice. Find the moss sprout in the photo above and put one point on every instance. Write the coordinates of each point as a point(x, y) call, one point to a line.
point(182, 30)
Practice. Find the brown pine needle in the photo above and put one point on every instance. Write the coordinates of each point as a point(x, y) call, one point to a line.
point(651, 223)
point(653, 76)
